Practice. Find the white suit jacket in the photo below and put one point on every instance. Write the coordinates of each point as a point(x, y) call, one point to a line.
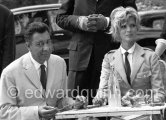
point(146, 72)
point(21, 91)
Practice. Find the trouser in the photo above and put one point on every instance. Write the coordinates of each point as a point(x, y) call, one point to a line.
point(85, 82)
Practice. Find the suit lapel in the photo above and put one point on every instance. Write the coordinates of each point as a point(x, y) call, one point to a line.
point(137, 60)
point(31, 72)
point(119, 66)
point(50, 73)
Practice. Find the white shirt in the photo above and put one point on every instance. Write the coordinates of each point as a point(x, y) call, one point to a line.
point(130, 55)
point(37, 65)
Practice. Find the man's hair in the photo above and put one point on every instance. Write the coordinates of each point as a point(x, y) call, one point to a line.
point(35, 27)
point(119, 16)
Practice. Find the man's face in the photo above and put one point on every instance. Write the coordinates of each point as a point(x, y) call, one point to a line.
point(40, 47)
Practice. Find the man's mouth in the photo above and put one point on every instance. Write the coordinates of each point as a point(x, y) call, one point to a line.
point(45, 54)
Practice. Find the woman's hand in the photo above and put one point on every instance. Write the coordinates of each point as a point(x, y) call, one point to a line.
point(80, 102)
point(99, 101)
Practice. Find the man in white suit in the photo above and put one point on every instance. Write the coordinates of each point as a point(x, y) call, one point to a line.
point(23, 94)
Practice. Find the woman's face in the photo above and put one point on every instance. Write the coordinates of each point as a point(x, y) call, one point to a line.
point(128, 31)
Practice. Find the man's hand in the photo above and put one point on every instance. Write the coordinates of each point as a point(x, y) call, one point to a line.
point(47, 112)
point(92, 23)
point(80, 102)
point(87, 25)
point(97, 21)
point(67, 103)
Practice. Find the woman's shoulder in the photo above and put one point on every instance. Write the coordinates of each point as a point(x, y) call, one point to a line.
point(149, 51)
point(150, 54)
point(111, 51)
point(110, 55)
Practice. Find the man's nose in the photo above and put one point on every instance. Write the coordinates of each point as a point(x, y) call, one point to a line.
point(46, 47)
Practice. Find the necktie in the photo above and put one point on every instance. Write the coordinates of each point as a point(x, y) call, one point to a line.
point(43, 77)
point(127, 67)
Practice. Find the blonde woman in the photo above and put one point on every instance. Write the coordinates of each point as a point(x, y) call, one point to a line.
point(137, 67)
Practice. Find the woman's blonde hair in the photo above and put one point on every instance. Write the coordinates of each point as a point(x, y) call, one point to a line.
point(119, 16)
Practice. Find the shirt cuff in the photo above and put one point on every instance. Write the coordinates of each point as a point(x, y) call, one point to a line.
point(107, 29)
point(161, 41)
point(81, 20)
point(30, 112)
point(108, 21)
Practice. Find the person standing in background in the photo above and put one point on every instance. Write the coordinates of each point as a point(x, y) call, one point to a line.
point(89, 21)
point(7, 40)
point(161, 42)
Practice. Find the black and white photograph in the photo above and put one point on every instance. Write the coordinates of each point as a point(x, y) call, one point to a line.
point(82, 60)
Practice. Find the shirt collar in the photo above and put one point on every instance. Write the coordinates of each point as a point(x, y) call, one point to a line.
point(131, 50)
point(36, 64)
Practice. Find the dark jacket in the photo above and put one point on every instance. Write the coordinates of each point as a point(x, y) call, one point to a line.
point(7, 41)
point(82, 42)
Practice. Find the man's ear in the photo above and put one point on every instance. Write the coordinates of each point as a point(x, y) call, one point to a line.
point(27, 45)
